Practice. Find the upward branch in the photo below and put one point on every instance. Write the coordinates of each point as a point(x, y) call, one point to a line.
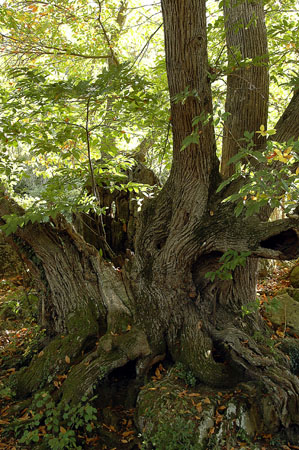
point(287, 126)
point(187, 71)
point(247, 82)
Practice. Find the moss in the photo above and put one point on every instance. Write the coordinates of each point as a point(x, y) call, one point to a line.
point(58, 355)
point(118, 322)
point(82, 322)
point(294, 293)
point(168, 417)
point(44, 366)
point(202, 364)
point(291, 348)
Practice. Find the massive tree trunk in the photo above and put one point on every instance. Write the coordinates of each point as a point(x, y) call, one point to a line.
point(160, 303)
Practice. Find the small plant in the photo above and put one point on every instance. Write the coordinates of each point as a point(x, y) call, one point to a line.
point(185, 374)
point(249, 308)
point(243, 436)
point(55, 426)
point(273, 306)
point(175, 436)
point(19, 305)
point(228, 262)
point(5, 391)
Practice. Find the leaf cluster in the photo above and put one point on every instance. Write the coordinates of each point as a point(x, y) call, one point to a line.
point(57, 427)
point(269, 177)
point(228, 263)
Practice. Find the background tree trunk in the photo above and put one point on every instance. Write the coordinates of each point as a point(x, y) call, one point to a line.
point(248, 80)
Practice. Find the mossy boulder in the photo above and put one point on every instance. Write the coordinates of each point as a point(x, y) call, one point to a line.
point(294, 277)
point(283, 310)
point(172, 416)
point(292, 292)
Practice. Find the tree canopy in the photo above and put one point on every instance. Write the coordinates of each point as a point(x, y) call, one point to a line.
point(81, 81)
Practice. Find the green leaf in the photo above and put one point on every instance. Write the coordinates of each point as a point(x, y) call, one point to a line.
point(238, 209)
point(248, 135)
point(191, 139)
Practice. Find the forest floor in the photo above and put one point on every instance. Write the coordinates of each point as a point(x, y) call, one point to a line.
point(113, 429)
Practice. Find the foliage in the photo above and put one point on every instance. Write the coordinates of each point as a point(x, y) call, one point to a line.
point(5, 391)
point(20, 304)
point(57, 427)
point(228, 263)
point(70, 139)
point(178, 435)
point(184, 374)
point(85, 99)
point(276, 183)
point(250, 308)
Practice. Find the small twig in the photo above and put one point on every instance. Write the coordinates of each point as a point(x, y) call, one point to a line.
point(34, 50)
point(113, 56)
point(144, 48)
point(233, 55)
point(101, 232)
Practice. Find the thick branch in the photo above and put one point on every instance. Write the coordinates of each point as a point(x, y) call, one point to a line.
point(247, 83)
point(187, 71)
point(223, 231)
point(287, 126)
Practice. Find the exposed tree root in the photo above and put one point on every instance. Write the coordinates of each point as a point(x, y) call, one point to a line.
point(112, 352)
point(269, 369)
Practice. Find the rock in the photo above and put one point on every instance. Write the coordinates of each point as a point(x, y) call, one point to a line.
point(284, 310)
point(170, 416)
point(294, 277)
point(293, 292)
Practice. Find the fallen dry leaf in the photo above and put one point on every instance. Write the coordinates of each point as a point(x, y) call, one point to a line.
point(128, 433)
point(222, 407)
point(158, 373)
